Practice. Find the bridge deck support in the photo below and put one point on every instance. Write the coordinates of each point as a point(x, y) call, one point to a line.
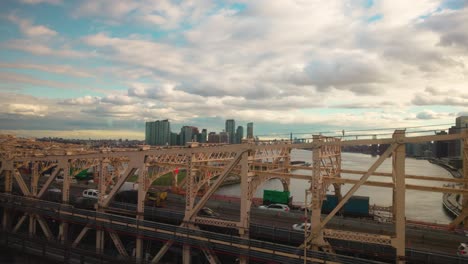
point(398, 168)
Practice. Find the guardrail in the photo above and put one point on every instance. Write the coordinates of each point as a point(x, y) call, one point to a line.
point(222, 242)
point(181, 235)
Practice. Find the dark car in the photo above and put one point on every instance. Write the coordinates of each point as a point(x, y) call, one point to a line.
point(207, 212)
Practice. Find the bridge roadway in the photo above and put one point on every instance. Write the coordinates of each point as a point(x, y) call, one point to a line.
point(277, 227)
point(153, 230)
point(277, 231)
point(419, 236)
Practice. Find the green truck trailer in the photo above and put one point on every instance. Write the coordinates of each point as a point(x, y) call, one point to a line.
point(276, 197)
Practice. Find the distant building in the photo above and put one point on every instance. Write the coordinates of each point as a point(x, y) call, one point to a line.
point(158, 133)
point(188, 134)
point(461, 122)
point(230, 126)
point(441, 147)
point(239, 134)
point(455, 147)
point(213, 137)
point(203, 136)
point(224, 137)
point(175, 139)
point(250, 130)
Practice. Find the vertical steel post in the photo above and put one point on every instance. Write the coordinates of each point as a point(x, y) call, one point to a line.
point(399, 192)
point(245, 202)
point(142, 189)
point(337, 187)
point(465, 176)
point(191, 193)
point(32, 225)
point(316, 199)
point(101, 188)
point(34, 178)
point(6, 221)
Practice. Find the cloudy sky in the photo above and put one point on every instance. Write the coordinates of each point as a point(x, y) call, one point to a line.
point(101, 69)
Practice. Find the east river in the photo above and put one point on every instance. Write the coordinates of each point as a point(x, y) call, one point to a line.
point(420, 205)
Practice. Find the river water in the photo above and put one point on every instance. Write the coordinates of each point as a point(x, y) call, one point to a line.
point(420, 205)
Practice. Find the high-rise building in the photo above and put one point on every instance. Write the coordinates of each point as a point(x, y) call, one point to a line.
point(250, 130)
point(175, 139)
point(224, 137)
point(158, 133)
point(188, 134)
point(441, 147)
point(203, 136)
point(239, 134)
point(230, 126)
point(148, 135)
point(461, 122)
point(213, 137)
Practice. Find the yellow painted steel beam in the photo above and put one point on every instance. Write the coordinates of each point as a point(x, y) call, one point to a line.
point(408, 176)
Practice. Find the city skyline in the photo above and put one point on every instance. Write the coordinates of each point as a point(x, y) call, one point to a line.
point(159, 133)
point(102, 69)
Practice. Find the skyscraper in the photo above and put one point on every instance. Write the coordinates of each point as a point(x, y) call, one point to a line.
point(203, 136)
point(188, 134)
point(230, 126)
point(158, 133)
point(250, 130)
point(461, 122)
point(224, 137)
point(239, 134)
point(213, 137)
point(149, 138)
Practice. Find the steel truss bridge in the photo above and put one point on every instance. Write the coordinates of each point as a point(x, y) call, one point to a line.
point(207, 167)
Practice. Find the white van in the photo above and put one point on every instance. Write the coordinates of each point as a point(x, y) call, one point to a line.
point(91, 193)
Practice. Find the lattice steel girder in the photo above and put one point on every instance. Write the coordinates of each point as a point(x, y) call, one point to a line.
point(364, 178)
point(418, 139)
point(215, 222)
point(80, 236)
point(409, 176)
point(24, 188)
point(358, 237)
point(19, 223)
point(213, 188)
point(129, 171)
point(399, 193)
point(48, 182)
point(44, 226)
point(407, 186)
point(118, 244)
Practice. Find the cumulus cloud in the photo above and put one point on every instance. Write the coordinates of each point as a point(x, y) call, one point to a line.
point(59, 69)
point(163, 13)
point(41, 49)
point(354, 71)
point(34, 2)
point(433, 96)
point(86, 100)
point(27, 109)
point(118, 100)
point(31, 30)
point(427, 114)
point(449, 25)
point(261, 61)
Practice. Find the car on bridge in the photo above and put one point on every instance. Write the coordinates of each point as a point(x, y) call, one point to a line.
point(208, 212)
point(301, 226)
point(463, 249)
point(91, 193)
point(275, 207)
